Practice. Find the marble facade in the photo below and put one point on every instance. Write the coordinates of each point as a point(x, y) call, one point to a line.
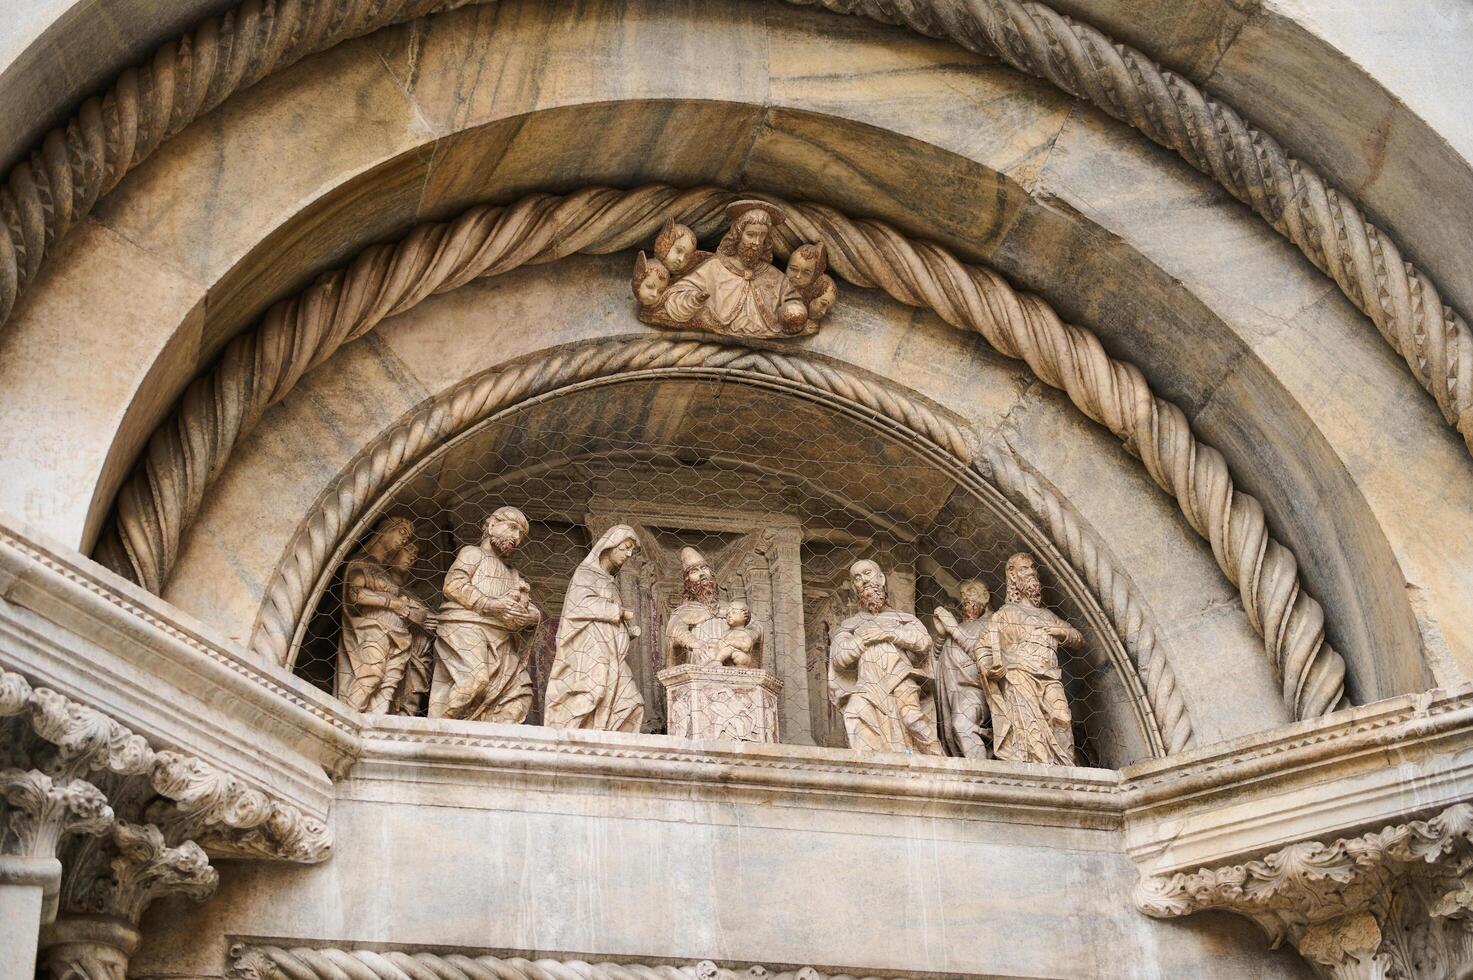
point(1126, 288)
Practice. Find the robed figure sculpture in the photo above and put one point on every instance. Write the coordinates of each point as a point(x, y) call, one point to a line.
point(386, 628)
point(880, 672)
point(590, 684)
point(1030, 716)
point(483, 644)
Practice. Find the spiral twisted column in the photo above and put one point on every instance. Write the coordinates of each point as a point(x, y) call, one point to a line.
point(57, 184)
point(258, 368)
point(1321, 221)
point(185, 455)
point(1115, 394)
point(252, 962)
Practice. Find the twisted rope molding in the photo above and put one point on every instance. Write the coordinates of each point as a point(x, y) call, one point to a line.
point(354, 494)
point(189, 449)
point(252, 962)
point(58, 184)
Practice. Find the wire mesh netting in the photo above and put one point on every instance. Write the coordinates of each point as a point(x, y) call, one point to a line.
point(781, 496)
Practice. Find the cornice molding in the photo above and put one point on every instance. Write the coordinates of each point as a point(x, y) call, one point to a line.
point(57, 185)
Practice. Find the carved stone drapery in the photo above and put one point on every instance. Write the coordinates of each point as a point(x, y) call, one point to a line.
point(357, 490)
point(257, 369)
point(61, 180)
point(1393, 904)
point(263, 962)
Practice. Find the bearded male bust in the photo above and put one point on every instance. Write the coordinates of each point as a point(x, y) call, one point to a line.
point(880, 672)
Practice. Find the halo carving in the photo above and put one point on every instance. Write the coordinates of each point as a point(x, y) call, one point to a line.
point(57, 185)
point(159, 502)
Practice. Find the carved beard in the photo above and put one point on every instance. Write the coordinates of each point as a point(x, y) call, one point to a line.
point(505, 544)
point(972, 610)
point(705, 591)
point(750, 254)
point(1025, 590)
point(872, 598)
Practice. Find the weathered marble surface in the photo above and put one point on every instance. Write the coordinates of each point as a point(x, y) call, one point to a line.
point(242, 534)
point(261, 247)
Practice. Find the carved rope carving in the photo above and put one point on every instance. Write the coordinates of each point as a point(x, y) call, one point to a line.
point(215, 808)
point(258, 368)
point(58, 184)
point(1393, 903)
point(342, 505)
point(250, 962)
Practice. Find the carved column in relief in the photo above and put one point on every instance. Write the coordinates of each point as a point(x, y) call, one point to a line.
point(1393, 904)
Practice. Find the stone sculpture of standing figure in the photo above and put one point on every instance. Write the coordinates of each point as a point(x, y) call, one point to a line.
point(1031, 721)
point(880, 672)
point(590, 684)
point(961, 697)
point(701, 602)
point(481, 645)
point(384, 624)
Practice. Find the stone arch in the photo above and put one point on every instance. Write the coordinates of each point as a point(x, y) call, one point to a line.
point(994, 476)
point(189, 451)
point(1369, 588)
point(60, 182)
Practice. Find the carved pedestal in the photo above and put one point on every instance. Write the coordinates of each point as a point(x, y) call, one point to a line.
point(738, 704)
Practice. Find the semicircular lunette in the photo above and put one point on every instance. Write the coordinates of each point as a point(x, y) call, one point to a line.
point(360, 492)
point(59, 183)
point(185, 455)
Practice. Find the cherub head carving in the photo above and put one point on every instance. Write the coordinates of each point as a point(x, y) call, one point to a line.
point(675, 246)
point(651, 279)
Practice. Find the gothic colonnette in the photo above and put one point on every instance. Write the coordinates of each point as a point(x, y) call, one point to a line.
point(740, 488)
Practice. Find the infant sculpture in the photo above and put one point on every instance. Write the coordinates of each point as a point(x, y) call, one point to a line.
point(713, 664)
point(736, 292)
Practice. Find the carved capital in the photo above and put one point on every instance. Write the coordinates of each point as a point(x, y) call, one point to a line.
point(86, 739)
point(1393, 903)
point(43, 810)
point(145, 868)
point(228, 817)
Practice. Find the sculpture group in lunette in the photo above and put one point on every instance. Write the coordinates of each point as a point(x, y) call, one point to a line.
point(988, 684)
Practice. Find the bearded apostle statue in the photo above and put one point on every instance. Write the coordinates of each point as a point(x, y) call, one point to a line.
point(590, 684)
point(1030, 714)
point(880, 672)
point(482, 644)
point(386, 628)
point(961, 696)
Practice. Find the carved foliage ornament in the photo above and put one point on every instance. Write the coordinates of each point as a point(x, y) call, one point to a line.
point(1394, 903)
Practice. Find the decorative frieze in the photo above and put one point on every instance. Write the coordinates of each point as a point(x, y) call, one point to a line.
point(1393, 904)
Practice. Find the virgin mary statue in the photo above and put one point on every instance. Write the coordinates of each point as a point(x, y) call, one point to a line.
point(591, 685)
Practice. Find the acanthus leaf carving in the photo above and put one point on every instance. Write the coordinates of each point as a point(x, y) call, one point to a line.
point(147, 867)
point(1390, 904)
point(43, 811)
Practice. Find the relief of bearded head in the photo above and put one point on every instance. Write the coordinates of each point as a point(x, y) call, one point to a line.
point(1023, 585)
point(869, 585)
